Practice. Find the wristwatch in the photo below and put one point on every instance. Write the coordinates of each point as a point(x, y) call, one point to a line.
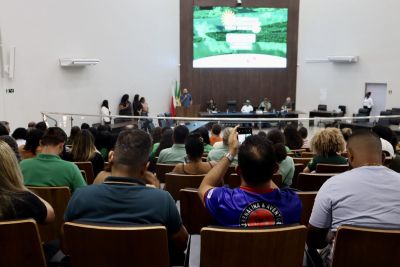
point(229, 157)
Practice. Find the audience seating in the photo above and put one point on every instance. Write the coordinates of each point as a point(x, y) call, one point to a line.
point(297, 152)
point(312, 181)
point(231, 169)
point(93, 245)
point(331, 168)
point(88, 169)
point(162, 169)
point(276, 246)
point(58, 197)
point(359, 246)
point(234, 180)
point(20, 244)
point(175, 182)
point(194, 214)
point(304, 161)
point(298, 168)
point(307, 201)
point(307, 154)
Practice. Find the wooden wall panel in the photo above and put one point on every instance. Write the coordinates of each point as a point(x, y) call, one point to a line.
point(238, 84)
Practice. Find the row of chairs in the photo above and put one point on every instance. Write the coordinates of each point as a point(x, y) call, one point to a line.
point(93, 245)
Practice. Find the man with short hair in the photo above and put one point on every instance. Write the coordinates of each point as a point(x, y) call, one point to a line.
point(257, 202)
point(47, 168)
point(219, 151)
point(186, 99)
point(367, 195)
point(124, 198)
point(176, 153)
point(215, 132)
point(247, 107)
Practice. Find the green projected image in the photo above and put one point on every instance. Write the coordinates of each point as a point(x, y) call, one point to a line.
point(239, 37)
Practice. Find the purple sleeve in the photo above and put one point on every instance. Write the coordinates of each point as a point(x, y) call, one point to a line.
point(211, 200)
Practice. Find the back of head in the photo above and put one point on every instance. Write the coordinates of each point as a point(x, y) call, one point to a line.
point(19, 133)
point(166, 141)
point(12, 144)
point(83, 148)
point(364, 148)
point(10, 174)
point(386, 133)
point(41, 126)
point(347, 132)
point(31, 124)
point(262, 134)
point(136, 98)
point(3, 130)
point(180, 134)
point(132, 149)
point(303, 132)
point(327, 142)
point(194, 146)
point(105, 103)
point(74, 131)
point(156, 134)
point(124, 98)
point(142, 100)
point(33, 138)
point(292, 137)
point(225, 136)
point(204, 134)
point(85, 126)
point(53, 137)
point(276, 136)
point(216, 129)
point(257, 160)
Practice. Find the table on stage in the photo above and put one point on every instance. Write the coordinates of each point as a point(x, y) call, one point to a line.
point(324, 114)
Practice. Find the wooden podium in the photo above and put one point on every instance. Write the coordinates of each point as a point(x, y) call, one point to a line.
point(192, 111)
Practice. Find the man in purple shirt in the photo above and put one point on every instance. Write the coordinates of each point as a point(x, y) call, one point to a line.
point(258, 201)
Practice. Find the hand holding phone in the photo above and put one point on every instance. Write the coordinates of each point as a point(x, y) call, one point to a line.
point(243, 133)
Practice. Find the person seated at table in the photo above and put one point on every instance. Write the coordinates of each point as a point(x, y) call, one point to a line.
point(288, 105)
point(211, 105)
point(247, 107)
point(194, 150)
point(327, 145)
point(265, 105)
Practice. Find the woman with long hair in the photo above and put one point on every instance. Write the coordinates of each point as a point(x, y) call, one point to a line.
point(83, 150)
point(32, 145)
point(203, 132)
point(166, 141)
point(137, 106)
point(105, 112)
point(125, 108)
point(16, 201)
point(292, 137)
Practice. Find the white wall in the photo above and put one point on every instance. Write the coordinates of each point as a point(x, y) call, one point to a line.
point(365, 28)
point(138, 44)
point(136, 41)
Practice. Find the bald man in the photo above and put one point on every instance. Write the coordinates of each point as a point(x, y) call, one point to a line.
point(367, 195)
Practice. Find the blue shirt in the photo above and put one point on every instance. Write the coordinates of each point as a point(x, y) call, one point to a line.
point(186, 101)
point(121, 200)
point(245, 207)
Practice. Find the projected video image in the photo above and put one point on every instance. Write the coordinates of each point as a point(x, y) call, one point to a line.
point(239, 37)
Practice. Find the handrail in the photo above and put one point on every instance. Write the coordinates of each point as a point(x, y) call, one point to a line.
point(49, 117)
point(224, 118)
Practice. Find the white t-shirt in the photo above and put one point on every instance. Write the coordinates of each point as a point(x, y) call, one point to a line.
point(105, 112)
point(365, 196)
point(247, 109)
point(368, 102)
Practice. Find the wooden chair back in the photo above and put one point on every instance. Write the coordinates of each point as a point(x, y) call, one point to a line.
point(87, 167)
point(231, 169)
point(298, 168)
point(278, 247)
point(162, 169)
point(93, 245)
point(58, 197)
point(331, 168)
point(307, 154)
point(356, 246)
point(345, 154)
point(175, 182)
point(312, 181)
point(297, 152)
point(194, 214)
point(307, 201)
point(303, 161)
point(20, 244)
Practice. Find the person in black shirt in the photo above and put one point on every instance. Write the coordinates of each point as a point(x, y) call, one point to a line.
point(137, 106)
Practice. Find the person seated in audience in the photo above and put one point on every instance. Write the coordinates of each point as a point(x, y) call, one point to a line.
point(220, 151)
point(346, 132)
point(257, 202)
point(166, 141)
point(327, 144)
point(203, 132)
point(83, 150)
point(194, 150)
point(388, 135)
point(3, 130)
point(247, 107)
point(286, 163)
point(265, 105)
point(6, 124)
point(47, 168)
point(211, 105)
point(12, 144)
point(292, 137)
point(123, 198)
point(176, 153)
point(85, 126)
point(215, 134)
point(366, 196)
point(32, 145)
point(19, 135)
point(304, 133)
point(17, 202)
point(31, 125)
point(42, 126)
point(75, 130)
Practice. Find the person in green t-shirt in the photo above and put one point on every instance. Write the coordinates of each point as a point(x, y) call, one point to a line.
point(327, 144)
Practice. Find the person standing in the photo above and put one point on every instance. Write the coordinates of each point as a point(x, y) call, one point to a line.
point(137, 106)
point(186, 101)
point(125, 108)
point(105, 112)
point(148, 125)
point(368, 103)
